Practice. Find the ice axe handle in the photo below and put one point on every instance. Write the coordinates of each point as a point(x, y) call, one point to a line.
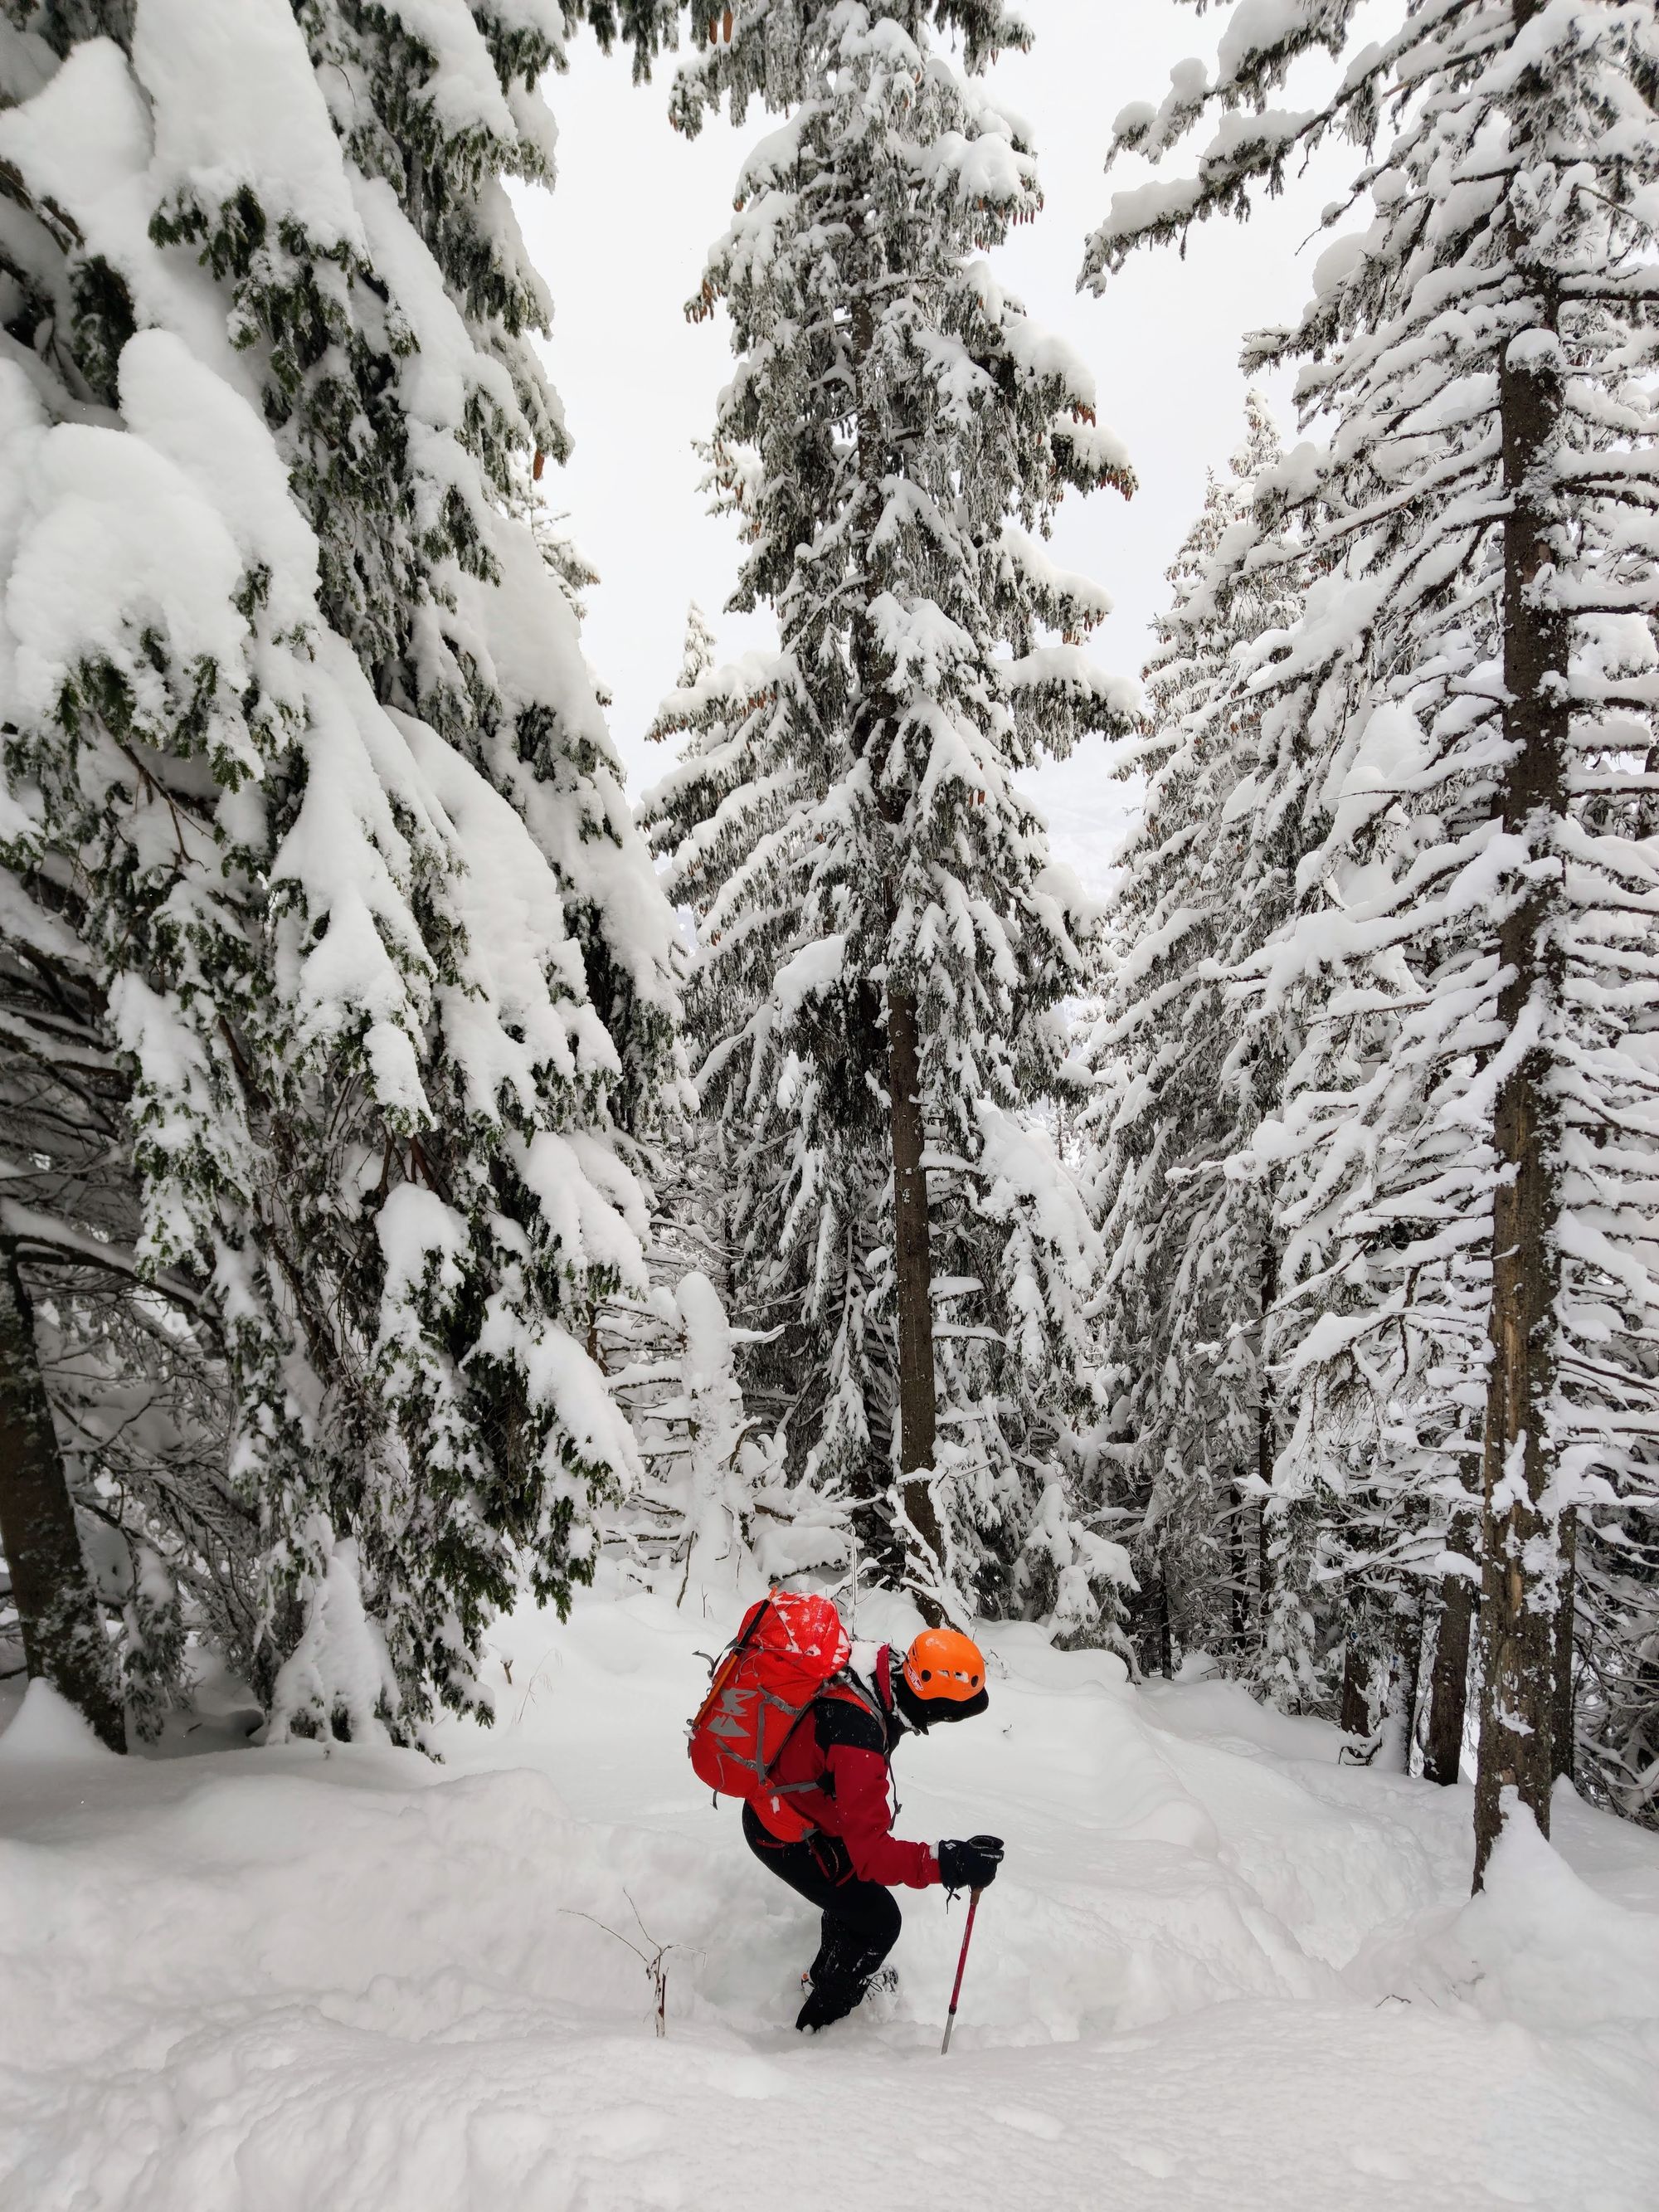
point(966, 1938)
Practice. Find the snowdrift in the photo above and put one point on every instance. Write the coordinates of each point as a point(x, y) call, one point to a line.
point(1220, 1970)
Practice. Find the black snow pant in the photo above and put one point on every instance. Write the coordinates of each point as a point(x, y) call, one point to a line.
point(861, 1920)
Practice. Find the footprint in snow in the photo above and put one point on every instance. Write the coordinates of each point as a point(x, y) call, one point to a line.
point(1029, 2122)
point(1146, 2158)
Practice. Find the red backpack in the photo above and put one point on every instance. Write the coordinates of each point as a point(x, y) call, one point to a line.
point(789, 1646)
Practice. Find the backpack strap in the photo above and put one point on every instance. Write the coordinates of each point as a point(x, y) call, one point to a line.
point(844, 1688)
point(847, 1689)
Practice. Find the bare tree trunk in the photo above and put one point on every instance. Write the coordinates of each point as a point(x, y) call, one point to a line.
point(914, 1269)
point(1356, 1717)
point(62, 1627)
point(1409, 1686)
point(917, 1406)
point(1266, 1447)
point(1166, 1624)
point(1519, 1592)
point(1564, 1732)
point(1449, 1687)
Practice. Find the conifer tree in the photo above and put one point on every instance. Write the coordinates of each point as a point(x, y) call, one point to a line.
point(772, 52)
point(1183, 1077)
point(1472, 1140)
point(698, 656)
point(886, 939)
point(302, 760)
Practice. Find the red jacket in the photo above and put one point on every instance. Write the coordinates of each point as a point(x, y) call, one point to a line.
point(841, 1752)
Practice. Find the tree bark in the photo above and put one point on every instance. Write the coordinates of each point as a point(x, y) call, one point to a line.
point(1564, 1732)
point(1409, 1686)
point(1267, 1450)
point(1449, 1687)
point(913, 1266)
point(1519, 1586)
point(1356, 1717)
point(57, 1609)
point(1165, 1624)
point(918, 1410)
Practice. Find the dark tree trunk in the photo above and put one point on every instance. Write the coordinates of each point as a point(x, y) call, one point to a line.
point(1165, 1627)
point(913, 1271)
point(1519, 1591)
point(1564, 1732)
point(1356, 1718)
point(1449, 1687)
point(913, 1266)
point(63, 1626)
point(1266, 1447)
point(1411, 1686)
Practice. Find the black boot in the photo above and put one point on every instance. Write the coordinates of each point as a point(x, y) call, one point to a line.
point(820, 2010)
point(839, 1977)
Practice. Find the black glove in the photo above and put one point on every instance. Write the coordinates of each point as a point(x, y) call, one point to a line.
point(972, 1865)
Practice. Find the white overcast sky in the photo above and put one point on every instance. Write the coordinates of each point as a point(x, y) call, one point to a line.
point(621, 243)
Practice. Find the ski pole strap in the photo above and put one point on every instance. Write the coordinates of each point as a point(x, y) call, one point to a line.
point(962, 1962)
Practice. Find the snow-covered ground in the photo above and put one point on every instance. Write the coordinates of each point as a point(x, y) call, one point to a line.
point(1219, 1971)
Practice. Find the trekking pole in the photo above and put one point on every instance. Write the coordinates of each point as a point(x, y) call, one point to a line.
point(966, 1938)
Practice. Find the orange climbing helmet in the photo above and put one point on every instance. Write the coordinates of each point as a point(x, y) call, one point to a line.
point(943, 1668)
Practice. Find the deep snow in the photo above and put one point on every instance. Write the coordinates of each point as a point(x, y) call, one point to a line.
point(1219, 1970)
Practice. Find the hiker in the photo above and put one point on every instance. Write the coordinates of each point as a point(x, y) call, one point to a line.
point(834, 1774)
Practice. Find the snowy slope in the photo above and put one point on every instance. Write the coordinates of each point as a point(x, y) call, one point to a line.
point(1219, 1970)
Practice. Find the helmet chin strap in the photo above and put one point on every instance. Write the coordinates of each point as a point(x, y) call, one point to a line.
point(908, 1707)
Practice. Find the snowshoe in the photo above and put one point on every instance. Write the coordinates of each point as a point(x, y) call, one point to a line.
point(881, 1998)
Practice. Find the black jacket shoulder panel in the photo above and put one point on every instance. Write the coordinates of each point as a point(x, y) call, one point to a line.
point(839, 1720)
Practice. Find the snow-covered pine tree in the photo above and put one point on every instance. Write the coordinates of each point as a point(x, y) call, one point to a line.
point(1181, 1079)
point(1304, 1563)
point(770, 52)
point(714, 1507)
point(885, 938)
point(302, 753)
point(698, 655)
point(1474, 1138)
point(107, 1376)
